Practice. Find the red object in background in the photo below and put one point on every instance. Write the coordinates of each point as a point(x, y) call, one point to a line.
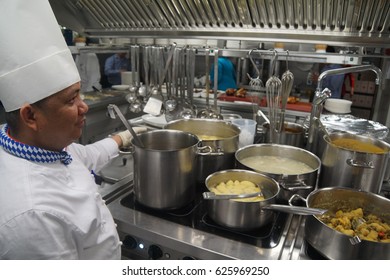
point(298, 106)
point(250, 99)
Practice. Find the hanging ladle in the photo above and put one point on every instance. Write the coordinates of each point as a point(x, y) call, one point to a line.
point(112, 109)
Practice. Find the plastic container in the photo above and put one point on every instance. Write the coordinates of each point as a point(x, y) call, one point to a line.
point(247, 133)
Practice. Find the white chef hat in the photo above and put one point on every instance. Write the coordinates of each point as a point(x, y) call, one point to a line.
point(35, 62)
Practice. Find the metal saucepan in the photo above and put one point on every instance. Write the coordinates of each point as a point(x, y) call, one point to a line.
point(292, 134)
point(244, 215)
point(164, 168)
point(221, 136)
point(290, 184)
point(347, 167)
point(342, 246)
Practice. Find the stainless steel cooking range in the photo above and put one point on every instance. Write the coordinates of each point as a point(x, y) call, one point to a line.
point(189, 232)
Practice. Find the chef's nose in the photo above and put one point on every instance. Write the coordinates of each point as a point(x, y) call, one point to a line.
point(83, 107)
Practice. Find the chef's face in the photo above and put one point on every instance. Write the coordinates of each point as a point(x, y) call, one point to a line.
point(62, 117)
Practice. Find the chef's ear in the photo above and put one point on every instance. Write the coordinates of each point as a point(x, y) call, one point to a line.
point(28, 116)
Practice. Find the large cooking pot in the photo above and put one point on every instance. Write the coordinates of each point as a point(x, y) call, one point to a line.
point(164, 169)
point(221, 136)
point(334, 244)
point(293, 134)
point(239, 215)
point(301, 184)
point(347, 167)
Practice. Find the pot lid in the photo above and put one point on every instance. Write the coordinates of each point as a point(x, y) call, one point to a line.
point(352, 125)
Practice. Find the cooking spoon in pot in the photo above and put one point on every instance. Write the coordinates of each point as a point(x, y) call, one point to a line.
point(298, 210)
point(112, 109)
point(214, 196)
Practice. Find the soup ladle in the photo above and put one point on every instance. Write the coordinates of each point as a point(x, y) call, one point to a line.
point(112, 109)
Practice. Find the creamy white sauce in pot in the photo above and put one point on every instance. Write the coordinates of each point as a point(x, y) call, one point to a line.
point(277, 165)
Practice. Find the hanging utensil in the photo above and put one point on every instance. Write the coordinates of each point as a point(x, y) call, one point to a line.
point(214, 113)
point(273, 90)
point(188, 110)
point(144, 91)
point(136, 106)
point(256, 83)
point(154, 104)
point(204, 113)
point(133, 88)
point(287, 84)
point(172, 103)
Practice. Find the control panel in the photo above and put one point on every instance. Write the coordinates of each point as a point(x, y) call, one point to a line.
point(134, 247)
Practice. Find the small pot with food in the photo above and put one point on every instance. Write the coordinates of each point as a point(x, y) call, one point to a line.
point(295, 169)
point(292, 134)
point(221, 136)
point(245, 200)
point(241, 213)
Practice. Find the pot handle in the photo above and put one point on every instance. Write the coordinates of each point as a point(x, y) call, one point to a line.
point(295, 196)
point(297, 210)
point(360, 163)
point(294, 186)
point(209, 151)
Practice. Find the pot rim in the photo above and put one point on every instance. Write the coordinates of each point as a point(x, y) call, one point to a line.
point(230, 125)
point(370, 139)
point(286, 147)
point(303, 129)
point(171, 131)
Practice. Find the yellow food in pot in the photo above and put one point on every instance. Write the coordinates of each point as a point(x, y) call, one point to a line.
point(238, 187)
point(209, 137)
point(355, 223)
point(358, 146)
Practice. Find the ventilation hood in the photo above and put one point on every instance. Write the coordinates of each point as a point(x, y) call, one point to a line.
point(337, 22)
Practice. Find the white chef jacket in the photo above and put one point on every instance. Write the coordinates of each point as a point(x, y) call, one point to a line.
point(89, 70)
point(54, 211)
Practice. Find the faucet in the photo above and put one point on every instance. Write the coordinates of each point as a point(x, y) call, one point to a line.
point(321, 96)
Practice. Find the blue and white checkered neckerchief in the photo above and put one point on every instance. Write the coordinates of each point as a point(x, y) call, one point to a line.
point(31, 153)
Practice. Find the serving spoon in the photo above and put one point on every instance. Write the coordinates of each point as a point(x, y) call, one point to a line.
point(214, 196)
point(112, 109)
point(298, 210)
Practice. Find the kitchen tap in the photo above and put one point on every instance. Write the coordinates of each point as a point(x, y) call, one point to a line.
point(321, 96)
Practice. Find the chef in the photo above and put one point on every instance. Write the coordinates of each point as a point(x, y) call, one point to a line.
point(49, 204)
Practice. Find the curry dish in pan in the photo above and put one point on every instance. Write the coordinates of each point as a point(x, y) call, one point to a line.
point(368, 227)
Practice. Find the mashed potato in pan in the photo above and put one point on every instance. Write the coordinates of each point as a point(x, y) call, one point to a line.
point(238, 187)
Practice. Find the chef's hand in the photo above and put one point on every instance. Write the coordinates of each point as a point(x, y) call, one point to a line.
point(124, 138)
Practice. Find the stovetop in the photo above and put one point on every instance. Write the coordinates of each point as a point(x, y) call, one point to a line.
point(189, 233)
point(195, 215)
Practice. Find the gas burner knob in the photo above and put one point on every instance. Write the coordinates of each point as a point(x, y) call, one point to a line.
point(155, 252)
point(129, 242)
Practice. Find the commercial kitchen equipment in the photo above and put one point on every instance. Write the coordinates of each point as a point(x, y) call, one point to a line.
point(189, 233)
